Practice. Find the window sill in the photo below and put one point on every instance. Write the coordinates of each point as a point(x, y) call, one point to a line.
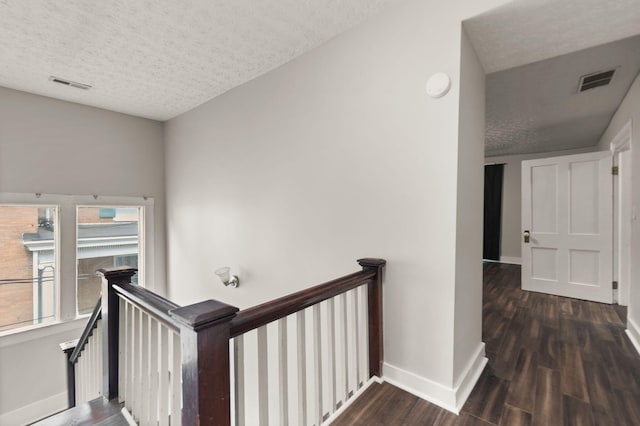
point(17, 336)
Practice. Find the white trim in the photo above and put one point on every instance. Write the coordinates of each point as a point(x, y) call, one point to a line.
point(351, 400)
point(421, 387)
point(622, 140)
point(633, 331)
point(451, 399)
point(470, 376)
point(16, 336)
point(35, 411)
point(510, 259)
point(128, 417)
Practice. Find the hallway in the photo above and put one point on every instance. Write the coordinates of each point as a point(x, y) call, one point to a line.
point(552, 361)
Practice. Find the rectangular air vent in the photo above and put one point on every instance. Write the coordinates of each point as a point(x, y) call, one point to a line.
point(596, 79)
point(70, 83)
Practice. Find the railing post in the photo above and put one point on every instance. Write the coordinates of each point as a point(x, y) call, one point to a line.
point(375, 315)
point(206, 387)
point(110, 326)
point(67, 348)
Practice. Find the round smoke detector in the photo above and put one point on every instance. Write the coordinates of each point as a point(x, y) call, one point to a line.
point(438, 85)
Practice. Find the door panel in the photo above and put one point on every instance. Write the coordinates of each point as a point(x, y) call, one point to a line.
point(567, 209)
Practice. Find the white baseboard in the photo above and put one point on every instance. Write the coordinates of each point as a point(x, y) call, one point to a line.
point(35, 411)
point(451, 399)
point(633, 331)
point(421, 387)
point(470, 376)
point(509, 259)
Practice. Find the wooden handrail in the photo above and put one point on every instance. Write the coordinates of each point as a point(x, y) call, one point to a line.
point(148, 301)
point(87, 332)
point(257, 316)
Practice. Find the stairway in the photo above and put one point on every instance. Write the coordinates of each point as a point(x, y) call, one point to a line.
point(96, 412)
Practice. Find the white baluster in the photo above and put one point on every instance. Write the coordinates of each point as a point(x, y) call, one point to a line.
point(131, 367)
point(154, 351)
point(144, 338)
point(122, 342)
point(164, 377)
point(176, 382)
point(283, 369)
point(263, 377)
point(317, 362)
point(345, 345)
point(238, 362)
point(137, 365)
point(364, 332)
point(302, 369)
point(356, 330)
point(331, 351)
point(90, 354)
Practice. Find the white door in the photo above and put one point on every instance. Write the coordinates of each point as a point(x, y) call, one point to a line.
point(567, 224)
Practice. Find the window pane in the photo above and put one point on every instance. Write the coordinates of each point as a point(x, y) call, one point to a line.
point(107, 237)
point(27, 266)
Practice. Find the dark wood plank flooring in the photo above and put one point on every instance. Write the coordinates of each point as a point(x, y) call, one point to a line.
point(552, 361)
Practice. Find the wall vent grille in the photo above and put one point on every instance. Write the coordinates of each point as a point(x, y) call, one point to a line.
point(70, 83)
point(596, 79)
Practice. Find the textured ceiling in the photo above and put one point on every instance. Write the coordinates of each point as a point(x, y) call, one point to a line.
point(526, 31)
point(537, 107)
point(160, 58)
point(526, 48)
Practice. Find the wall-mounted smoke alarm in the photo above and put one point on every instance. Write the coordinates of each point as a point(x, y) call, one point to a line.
point(438, 85)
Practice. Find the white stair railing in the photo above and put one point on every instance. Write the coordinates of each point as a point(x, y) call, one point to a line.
point(299, 359)
point(89, 368)
point(302, 368)
point(150, 366)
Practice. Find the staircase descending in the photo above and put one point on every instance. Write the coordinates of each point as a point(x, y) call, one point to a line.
point(144, 360)
point(96, 412)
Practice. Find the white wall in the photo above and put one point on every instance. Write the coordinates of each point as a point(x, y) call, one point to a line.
point(511, 233)
point(57, 147)
point(338, 155)
point(468, 347)
point(630, 110)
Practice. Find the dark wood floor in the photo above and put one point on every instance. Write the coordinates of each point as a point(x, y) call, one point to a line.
point(552, 361)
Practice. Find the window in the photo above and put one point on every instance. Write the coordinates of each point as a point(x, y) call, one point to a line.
point(41, 281)
point(105, 237)
point(27, 265)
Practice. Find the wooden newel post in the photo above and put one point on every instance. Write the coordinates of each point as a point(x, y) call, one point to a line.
point(110, 326)
point(206, 387)
point(375, 315)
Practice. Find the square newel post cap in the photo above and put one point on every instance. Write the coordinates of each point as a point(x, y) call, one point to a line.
point(203, 314)
point(369, 263)
point(117, 273)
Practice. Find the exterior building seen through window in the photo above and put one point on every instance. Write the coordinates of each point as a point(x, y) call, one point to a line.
point(106, 237)
point(28, 287)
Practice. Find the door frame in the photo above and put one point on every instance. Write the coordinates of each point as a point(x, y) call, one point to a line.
point(620, 148)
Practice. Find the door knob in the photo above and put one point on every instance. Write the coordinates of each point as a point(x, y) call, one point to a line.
point(526, 234)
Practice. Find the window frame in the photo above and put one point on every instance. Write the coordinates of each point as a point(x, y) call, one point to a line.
point(65, 245)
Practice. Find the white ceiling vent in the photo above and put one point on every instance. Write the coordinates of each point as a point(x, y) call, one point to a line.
point(596, 79)
point(70, 83)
